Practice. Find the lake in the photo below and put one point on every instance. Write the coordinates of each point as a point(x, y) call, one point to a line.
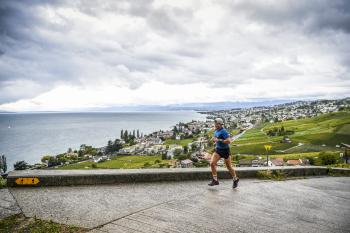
point(29, 136)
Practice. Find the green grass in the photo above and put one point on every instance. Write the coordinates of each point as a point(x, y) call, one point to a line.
point(339, 165)
point(284, 156)
point(329, 129)
point(259, 149)
point(182, 142)
point(344, 130)
point(19, 223)
point(121, 162)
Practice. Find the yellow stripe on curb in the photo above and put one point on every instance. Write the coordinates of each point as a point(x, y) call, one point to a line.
point(27, 181)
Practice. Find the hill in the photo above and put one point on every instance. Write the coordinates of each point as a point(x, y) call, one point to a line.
point(319, 133)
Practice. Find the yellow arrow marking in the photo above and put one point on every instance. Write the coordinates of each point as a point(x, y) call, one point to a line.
point(27, 181)
point(267, 147)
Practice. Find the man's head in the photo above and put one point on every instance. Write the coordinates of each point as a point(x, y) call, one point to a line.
point(218, 123)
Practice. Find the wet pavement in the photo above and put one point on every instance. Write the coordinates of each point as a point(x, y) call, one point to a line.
point(303, 205)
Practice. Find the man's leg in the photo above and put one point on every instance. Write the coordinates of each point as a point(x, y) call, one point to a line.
point(214, 159)
point(232, 172)
point(229, 167)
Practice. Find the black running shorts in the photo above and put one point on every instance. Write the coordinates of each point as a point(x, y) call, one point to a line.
point(224, 153)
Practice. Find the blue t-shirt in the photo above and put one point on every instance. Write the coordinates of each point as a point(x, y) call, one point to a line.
point(221, 134)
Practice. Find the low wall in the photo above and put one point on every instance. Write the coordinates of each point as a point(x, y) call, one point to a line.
point(115, 176)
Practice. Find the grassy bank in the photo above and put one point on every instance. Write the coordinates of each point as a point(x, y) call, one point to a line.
point(122, 162)
point(19, 223)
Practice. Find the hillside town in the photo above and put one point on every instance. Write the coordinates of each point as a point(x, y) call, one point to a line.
point(247, 117)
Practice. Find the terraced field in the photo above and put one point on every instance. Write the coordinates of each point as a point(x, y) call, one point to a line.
point(319, 133)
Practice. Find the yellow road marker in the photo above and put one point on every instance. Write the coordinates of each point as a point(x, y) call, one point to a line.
point(27, 181)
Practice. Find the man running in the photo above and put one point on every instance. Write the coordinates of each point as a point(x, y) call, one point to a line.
point(222, 150)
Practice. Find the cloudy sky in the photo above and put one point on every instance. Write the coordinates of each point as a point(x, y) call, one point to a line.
point(76, 55)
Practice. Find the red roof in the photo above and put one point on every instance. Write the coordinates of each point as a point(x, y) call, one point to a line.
point(294, 162)
point(278, 161)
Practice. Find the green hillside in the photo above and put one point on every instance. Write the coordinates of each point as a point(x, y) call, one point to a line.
point(319, 133)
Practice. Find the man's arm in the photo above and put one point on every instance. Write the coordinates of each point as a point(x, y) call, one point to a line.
point(227, 138)
point(225, 141)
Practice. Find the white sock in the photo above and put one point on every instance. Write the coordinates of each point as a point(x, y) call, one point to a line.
point(234, 178)
point(215, 178)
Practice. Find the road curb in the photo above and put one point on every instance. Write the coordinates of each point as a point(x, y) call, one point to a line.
point(115, 176)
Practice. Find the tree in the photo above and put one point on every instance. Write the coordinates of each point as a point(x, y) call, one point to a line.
point(126, 135)
point(3, 163)
point(328, 158)
point(70, 150)
point(177, 152)
point(194, 147)
point(164, 157)
point(121, 134)
point(133, 133)
point(282, 128)
point(117, 145)
point(109, 147)
point(185, 149)
point(138, 133)
point(20, 165)
point(45, 158)
point(175, 130)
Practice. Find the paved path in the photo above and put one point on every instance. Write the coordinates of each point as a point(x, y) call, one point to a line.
point(304, 205)
point(8, 205)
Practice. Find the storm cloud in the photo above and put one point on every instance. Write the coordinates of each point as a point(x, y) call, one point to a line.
point(243, 49)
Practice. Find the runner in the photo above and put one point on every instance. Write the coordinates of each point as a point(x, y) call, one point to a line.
point(222, 150)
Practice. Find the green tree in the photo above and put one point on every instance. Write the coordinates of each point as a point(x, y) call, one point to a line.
point(117, 145)
point(138, 133)
point(109, 148)
point(20, 165)
point(3, 163)
point(185, 149)
point(194, 147)
point(126, 135)
point(122, 134)
point(328, 158)
point(133, 133)
point(45, 158)
point(164, 157)
point(282, 129)
point(177, 152)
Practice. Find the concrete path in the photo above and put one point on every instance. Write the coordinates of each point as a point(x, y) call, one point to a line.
point(8, 205)
point(304, 205)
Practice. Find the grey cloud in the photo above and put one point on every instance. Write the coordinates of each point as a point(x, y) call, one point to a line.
point(311, 15)
point(170, 45)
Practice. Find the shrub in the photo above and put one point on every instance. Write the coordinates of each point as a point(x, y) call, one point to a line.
point(181, 157)
point(272, 175)
point(164, 157)
point(157, 161)
point(201, 163)
point(2, 183)
point(328, 158)
point(94, 165)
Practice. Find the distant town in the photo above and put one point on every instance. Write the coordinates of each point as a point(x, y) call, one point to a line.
point(189, 144)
